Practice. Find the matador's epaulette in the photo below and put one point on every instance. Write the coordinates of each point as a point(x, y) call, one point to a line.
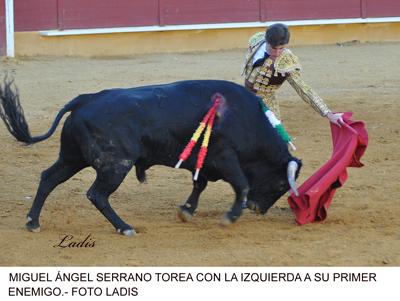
point(255, 42)
point(256, 38)
point(287, 62)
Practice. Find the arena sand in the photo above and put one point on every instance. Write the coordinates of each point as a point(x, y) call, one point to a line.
point(362, 228)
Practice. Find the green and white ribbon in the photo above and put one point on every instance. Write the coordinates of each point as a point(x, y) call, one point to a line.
point(276, 123)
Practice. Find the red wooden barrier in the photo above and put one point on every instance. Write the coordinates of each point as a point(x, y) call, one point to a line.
point(33, 15)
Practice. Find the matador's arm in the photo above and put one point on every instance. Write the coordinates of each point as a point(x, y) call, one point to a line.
point(287, 63)
point(307, 93)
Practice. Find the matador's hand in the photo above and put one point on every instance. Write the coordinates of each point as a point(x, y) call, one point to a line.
point(335, 118)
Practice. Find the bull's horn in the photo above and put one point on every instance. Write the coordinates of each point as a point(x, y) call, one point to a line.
point(291, 176)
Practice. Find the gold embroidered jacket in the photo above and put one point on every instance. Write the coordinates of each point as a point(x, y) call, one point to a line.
point(265, 79)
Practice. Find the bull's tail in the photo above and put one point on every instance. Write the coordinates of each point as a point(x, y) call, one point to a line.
point(13, 115)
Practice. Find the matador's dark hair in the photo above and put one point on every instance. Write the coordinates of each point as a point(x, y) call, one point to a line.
point(277, 34)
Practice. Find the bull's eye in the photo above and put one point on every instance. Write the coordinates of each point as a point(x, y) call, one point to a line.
point(282, 185)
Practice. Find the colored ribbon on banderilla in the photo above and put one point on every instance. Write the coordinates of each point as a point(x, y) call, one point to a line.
point(276, 123)
point(206, 123)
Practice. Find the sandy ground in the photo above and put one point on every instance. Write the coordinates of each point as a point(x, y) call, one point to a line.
point(362, 228)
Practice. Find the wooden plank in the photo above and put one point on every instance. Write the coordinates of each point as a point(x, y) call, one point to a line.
point(30, 15)
point(274, 10)
point(105, 13)
point(383, 8)
point(209, 11)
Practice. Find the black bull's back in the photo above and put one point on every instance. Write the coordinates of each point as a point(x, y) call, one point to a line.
point(113, 130)
point(154, 123)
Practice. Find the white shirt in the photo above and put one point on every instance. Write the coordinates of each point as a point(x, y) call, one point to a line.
point(260, 52)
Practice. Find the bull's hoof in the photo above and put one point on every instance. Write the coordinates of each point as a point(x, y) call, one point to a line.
point(228, 219)
point(127, 232)
point(33, 225)
point(251, 205)
point(183, 214)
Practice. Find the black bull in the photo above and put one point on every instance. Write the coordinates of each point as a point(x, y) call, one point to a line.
point(116, 129)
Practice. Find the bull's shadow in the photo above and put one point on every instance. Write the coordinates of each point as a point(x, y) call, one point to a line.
point(114, 130)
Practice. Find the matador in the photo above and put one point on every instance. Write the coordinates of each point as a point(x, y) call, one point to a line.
point(269, 63)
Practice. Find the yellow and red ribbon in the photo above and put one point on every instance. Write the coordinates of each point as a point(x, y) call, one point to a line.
point(206, 123)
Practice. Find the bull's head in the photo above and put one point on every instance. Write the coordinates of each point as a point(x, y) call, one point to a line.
point(268, 183)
